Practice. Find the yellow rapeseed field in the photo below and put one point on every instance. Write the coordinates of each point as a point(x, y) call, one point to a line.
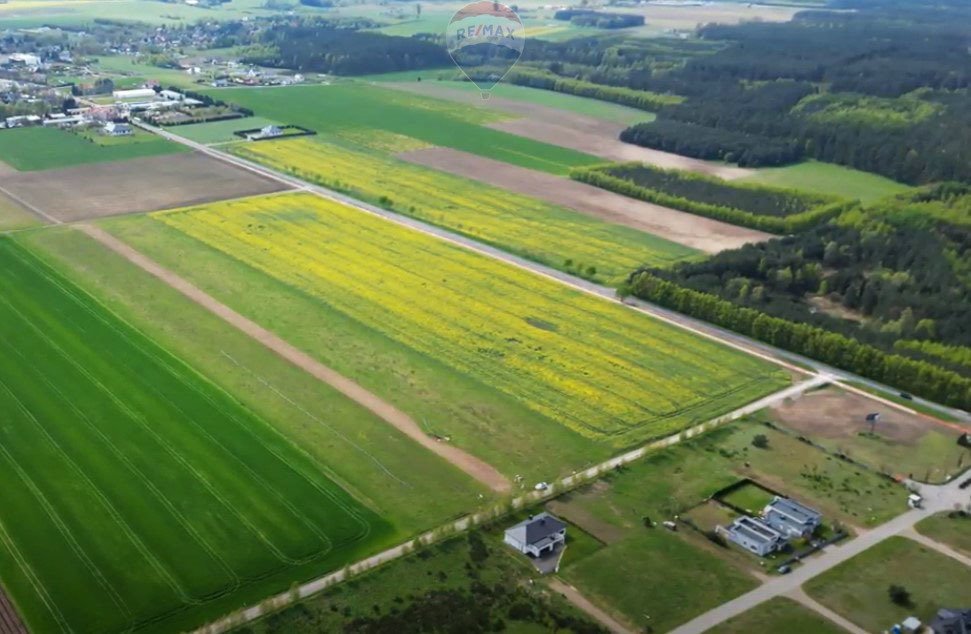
point(602, 370)
point(559, 237)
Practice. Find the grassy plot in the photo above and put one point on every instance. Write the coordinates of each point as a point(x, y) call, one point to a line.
point(552, 235)
point(952, 528)
point(779, 615)
point(447, 79)
point(471, 583)
point(329, 109)
point(37, 148)
point(219, 131)
point(13, 216)
point(145, 497)
point(398, 478)
point(601, 370)
point(828, 178)
point(858, 589)
point(657, 579)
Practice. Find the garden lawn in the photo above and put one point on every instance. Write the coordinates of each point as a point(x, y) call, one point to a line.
point(219, 131)
point(140, 495)
point(330, 109)
point(656, 578)
point(952, 528)
point(779, 615)
point(39, 148)
point(397, 477)
point(750, 497)
point(829, 178)
point(555, 236)
point(595, 376)
point(858, 589)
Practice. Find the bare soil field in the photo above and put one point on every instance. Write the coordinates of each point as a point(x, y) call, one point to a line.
point(570, 130)
point(138, 185)
point(901, 444)
point(10, 622)
point(697, 232)
point(600, 138)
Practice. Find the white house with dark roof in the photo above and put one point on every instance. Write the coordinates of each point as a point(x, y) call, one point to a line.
point(754, 535)
point(537, 535)
point(791, 518)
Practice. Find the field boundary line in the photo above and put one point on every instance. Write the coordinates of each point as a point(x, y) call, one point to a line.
point(567, 483)
point(471, 465)
point(29, 207)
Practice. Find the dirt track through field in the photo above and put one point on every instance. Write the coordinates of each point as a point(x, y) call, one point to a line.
point(476, 468)
point(690, 230)
point(10, 622)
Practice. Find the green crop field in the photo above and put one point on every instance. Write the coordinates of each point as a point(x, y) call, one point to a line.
point(858, 589)
point(779, 615)
point(556, 236)
point(400, 479)
point(330, 109)
point(138, 495)
point(827, 178)
point(220, 131)
point(37, 148)
point(433, 80)
point(524, 351)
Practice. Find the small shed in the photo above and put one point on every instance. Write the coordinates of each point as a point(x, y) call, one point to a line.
point(536, 536)
point(911, 625)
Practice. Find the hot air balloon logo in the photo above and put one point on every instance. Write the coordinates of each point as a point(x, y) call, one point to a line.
point(485, 40)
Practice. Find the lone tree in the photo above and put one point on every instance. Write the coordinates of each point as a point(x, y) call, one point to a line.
point(761, 441)
point(899, 595)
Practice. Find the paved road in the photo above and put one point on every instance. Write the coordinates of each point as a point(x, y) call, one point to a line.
point(936, 499)
point(699, 327)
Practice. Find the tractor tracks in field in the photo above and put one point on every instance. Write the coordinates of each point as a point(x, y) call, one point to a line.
point(471, 465)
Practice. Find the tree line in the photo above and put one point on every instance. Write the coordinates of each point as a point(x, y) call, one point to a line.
point(599, 19)
point(772, 224)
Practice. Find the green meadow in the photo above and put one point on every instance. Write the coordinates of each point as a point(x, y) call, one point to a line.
point(338, 107)
point(829, 178)
point(38, 148)
point(139, 495)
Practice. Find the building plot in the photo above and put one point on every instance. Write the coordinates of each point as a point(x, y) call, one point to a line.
point(137, 495)
point(604, 372)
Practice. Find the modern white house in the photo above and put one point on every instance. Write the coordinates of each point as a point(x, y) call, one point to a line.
point(117, 129)
point(754, 535)
point(536, 536)
point(791, 518)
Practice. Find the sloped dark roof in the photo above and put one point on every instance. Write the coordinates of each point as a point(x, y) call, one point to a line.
point(952, 621)
point(537, 528)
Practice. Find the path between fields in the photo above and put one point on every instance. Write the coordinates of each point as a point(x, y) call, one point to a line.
point(784, 358)
point(574, 596)
point(692, 230)
point(468, 463)
point(936, 499)
point(800, 596)
point(10, 622)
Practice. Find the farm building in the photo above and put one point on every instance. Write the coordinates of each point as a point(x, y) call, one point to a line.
point(136, 93)
point(117, 129)
point(755, 535)
point(791, 518)
point(537, 535)
point(267, 132)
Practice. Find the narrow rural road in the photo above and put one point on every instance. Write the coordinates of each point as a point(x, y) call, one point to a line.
point(701, 328)
point(936, 499)
point(807, 601)
point(943, 549)
point(468, 463)
point(576, 598)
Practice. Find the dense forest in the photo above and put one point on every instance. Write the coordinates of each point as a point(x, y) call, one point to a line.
point(897, 272)
point(884, 89)
point(326, 47)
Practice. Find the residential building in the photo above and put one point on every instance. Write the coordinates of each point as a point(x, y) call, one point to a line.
point(952, 621)
point(537, 535)
point(117, 129)
point(791, 518)
point(755, 535)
